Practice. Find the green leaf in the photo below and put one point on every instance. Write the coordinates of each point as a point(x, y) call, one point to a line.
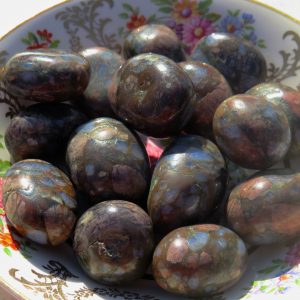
point(234, 13)
point(127, 7)
point(297, 281)
point(268, 270)
point(203, 6)
point(4, 166)
point(162, 2)
point(165, 9)
point(249, 27)
point(32, 37)
point(54, 44)
point(261, 44)
point(25, 41)
point(272, 290)
point(263, 288)
point(152, 19)
point(1, 146)
point(121, 31)
point(124, 15)
point(7, 251)
point(2, 213)
point(213, 17)
point(1, 224)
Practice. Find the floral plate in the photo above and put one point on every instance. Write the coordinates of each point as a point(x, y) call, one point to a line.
point(30, 271)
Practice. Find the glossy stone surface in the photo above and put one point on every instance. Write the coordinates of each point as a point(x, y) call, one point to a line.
point(266, 209)
point(42, 130)
point(113, 242)
point(199, 260)
point(287, 99)
point(153, 94)
point(46, 75)
point(211, 89)
point(39, 201)
point(187, 183)
point(104, 63)
point(108, 162)
point(252, 132)
point(153, 38)
point(241, 63)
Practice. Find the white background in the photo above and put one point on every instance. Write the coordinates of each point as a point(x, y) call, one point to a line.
point(13, 12)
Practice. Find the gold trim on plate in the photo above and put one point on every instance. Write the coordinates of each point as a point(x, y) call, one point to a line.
point(268, 6)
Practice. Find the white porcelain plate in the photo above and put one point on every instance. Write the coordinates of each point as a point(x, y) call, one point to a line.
point(32, 272)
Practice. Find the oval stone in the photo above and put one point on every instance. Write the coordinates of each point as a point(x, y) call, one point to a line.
point(42, 130)
point(199, 261)
point(104, 63)
point(240, 62)
point(266, 209)
point(153, 94)
point(113, 242)
point(211, 89)
point(39, 201)
point(187, 183)
point(154, 38)
point(46, 75)
point(252, 132)
point(107, 161)
point(288, 100)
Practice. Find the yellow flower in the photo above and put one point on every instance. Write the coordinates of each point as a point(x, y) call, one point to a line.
point(184, 9)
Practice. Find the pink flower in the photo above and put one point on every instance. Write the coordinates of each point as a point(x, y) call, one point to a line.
point(196, 29)
point(293, 255)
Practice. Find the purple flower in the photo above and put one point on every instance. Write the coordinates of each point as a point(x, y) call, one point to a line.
point(178, 28)
point(196, 29)
point(231, 24)
point(248, 18)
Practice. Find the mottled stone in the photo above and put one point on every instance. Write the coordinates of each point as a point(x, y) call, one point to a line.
point(153, 38)
point(266, 209)
point(153, 94)
point(187, 183)
point(241, 63)
point(113, 242)
point(39, 201)
point(199, 260)
point(252, 132)
point(211, 89)
point(46, 75)
point(107, 161)
point(104, 63)
point(42, 130)
point(288, 100)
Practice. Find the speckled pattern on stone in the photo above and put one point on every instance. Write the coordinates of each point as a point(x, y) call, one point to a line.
point(46, 75)
point(187, 183)
point(39, 201)
point(199, 260)
point(113, 242)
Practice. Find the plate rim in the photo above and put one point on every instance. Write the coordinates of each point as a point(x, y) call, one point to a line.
point(257, 2)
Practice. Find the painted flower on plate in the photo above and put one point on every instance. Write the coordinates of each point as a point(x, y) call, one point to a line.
point(184, 9)
point(231, 24)
point(196, 29)
point(6, 240)
point(177, 27)
point(136, 21)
